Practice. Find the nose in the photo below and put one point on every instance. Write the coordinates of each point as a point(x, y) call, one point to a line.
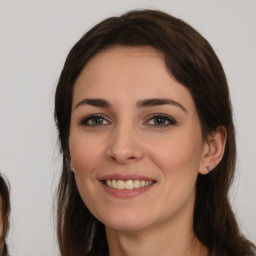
point(125, 146)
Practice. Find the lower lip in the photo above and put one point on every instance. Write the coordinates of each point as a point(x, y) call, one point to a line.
point(126, 193)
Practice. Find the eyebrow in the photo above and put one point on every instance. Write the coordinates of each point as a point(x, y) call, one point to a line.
point(159, 102)
point(94, 102)
point(141, 104)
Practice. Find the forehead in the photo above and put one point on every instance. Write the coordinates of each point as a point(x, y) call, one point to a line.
point(128, 60)
point(125, 59)
point(131, 72)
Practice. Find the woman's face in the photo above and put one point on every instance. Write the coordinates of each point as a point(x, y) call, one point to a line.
point(135, 140)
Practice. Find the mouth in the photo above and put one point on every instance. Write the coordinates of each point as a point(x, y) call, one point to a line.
point(127, 184)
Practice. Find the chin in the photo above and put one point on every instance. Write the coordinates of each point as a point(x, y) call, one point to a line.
point(126, 227)
point(126, 222)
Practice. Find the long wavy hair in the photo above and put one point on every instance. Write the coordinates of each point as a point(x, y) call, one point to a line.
point(4, 214)
point(192, 62)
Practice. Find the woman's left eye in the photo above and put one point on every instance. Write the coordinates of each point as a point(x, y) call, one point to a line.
point(161, 121)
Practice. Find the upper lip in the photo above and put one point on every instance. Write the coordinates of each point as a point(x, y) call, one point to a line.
point(125, 177)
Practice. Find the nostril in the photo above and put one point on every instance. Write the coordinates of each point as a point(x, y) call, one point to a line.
point(123, 159)
point(126, 155)
point(112, 158)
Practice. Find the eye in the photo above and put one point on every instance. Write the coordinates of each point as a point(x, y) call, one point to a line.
point(161, 121)
point(94, 120)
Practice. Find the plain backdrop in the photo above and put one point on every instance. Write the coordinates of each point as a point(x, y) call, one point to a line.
point(35, 38)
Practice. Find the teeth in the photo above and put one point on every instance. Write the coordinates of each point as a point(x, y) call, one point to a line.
point(129, 184)
point(136, 184)
point(120, 184)
point(113, 184)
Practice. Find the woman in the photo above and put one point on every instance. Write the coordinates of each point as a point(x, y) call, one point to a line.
point(145, 125)
point(4, 217)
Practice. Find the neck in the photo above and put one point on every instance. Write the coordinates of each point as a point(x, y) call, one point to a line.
point(162, 240)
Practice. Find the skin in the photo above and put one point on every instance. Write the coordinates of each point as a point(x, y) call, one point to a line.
point(129, 138)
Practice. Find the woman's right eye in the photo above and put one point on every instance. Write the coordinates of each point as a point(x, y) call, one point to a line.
point(94, 120)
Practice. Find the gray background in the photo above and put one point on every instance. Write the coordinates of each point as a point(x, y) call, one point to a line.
point(35, 37)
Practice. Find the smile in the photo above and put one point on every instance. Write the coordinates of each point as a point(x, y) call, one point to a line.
point(128, 184)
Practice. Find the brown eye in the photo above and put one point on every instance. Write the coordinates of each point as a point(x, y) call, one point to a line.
point(94, 120)
point(161, 121)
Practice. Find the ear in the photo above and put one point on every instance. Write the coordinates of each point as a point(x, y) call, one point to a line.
point(214, 148)
point(71, 166)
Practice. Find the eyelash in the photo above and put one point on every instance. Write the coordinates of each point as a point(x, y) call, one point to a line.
point(92, 118)
point(103, 121)
point(165, 118)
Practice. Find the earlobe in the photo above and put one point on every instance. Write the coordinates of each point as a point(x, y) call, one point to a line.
point(71, 166)
point(214, 150)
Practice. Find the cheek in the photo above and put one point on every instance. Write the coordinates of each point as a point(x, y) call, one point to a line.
point(178, 159)
point(178, 152)
point(85, 152)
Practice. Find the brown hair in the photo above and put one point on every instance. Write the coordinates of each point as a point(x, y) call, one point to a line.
point(192, 61)
point(5, 212)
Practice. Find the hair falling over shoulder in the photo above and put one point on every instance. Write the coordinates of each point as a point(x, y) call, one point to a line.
point(192, 62)
point(5, 212)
